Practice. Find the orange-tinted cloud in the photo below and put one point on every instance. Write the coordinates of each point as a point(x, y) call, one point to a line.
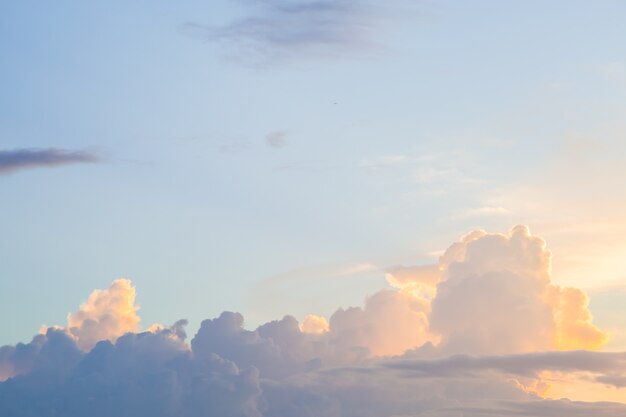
point(314, 324)
point(493, 294)
point(280, 370)
point(574, 326)
point(107, 315)
point(496, 296)
point(390, 323)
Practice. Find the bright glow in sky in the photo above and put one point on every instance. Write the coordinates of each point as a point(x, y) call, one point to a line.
point(311, 159)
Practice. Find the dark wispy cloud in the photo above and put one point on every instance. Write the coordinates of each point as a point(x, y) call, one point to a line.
point(276, 29)
point(18, 159)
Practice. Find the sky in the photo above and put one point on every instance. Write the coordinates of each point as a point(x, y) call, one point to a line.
point(323, 190)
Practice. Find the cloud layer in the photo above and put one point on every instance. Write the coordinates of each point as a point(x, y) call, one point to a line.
point(483, 332)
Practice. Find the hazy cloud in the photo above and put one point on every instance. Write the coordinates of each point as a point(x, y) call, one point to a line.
point(13, 160)
point(277, 139)
point(281, 28)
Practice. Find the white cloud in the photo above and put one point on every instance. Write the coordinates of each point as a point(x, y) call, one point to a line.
point(107, 315)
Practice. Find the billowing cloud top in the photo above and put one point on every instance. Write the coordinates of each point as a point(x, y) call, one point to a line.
point(278, 29)
point(107, 315)
point(483, 332)
point(515, 268)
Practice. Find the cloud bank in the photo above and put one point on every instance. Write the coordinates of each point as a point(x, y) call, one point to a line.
point(18, 159)
point(482, 333)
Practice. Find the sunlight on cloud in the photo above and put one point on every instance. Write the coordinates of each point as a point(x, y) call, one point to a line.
point(515, 266)
point(438, 343)
point(314, 324)
point(107, 315)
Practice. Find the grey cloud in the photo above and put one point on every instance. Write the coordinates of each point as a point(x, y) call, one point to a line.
point(228, 371)
point(610, 366)
point(283, 28)
point(19, 359)
point(537, 408)
point(17, 159)
point(374, 392)
point(141, 375)
point(277, 139)
point(618, 381)
point(278, 349)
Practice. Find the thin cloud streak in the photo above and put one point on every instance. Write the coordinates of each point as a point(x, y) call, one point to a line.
point(19, 159)
point(611, 365)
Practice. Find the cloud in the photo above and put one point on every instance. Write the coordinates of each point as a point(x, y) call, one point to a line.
point(277, 29)
point(19, 359)
point(528, 364)
point(516, 267)
point(314, 324)
point(452, 305)
point(461, 314)
point(390, 323)
point(229, 371)
point(415, 279)
point(277, 139)
point(107, 315)
point(141, 375)
point(475, 335)
point(17, 159)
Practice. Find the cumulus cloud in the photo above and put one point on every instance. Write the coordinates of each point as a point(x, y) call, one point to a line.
point(475, 335)
point(232, 372)
point(459, 292)
point(493, 285)
point(141, 375)
point(107, 315)
point(17, 159)
point(390, 323)
point(277, 29)
point(19, 359)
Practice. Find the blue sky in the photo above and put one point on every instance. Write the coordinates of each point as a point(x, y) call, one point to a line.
point(402, 126)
